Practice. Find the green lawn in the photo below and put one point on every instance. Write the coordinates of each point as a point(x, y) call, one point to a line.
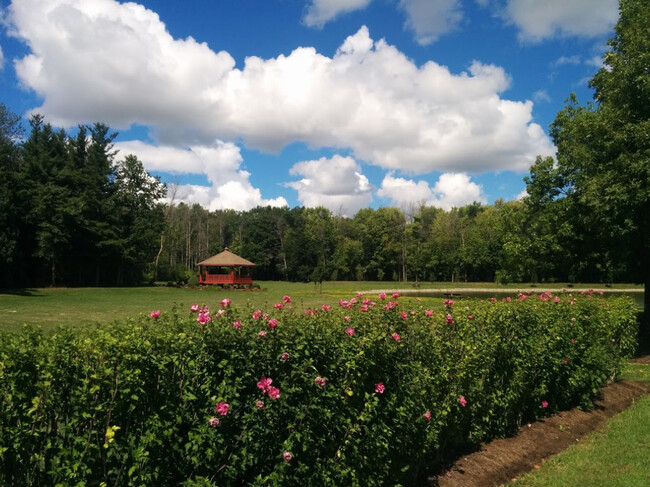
point(616, 456)
point(51, 307)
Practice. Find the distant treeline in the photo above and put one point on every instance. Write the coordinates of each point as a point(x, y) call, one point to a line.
point(72, 214)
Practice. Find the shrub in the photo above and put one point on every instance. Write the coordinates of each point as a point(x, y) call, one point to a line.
point(363, 394)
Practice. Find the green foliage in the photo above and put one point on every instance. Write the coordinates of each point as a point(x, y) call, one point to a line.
point(130, 403)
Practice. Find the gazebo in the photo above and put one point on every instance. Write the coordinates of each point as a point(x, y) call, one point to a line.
point(226, 268)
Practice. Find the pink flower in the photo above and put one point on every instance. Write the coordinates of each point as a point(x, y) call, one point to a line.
point(278, 305)
point(265, 316)
point(225, 302)
point(364, 308)
point(346, 318)
point(462, 401)
point(556, 300)
point(382, 296)
point(259, 404)
point(573, 340)
point(396, 337)
point(220, 312)
point(273, 323)
point(326, 307)
point(359, 294)
point(396, 295)
point(494, 300)
point(427, 415)
point(544, 404)
point(566, 361)
point(448, 303)
point(214, 422)
point(404, 315)
point(470, 317)
point(449, 319)
point(310, 312)
point(222, 408)
point(194, 308)
point(236, 324)
point(349, 331)
point(286, 299)
point(262, 333)
point(366, 301)
point(321, 381)
point(155, 314)
point(274, 392)
point(285, 356)
point(287, 456)
point(264, 383)
point(428, 312)
point(573, 301)
point(380, 388)
point(256, 314)
point(203, 318)
point(343, 303)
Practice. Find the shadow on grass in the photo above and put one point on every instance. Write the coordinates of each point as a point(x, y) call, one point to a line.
point(25, 292)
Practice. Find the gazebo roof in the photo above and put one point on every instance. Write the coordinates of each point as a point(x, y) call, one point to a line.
point(226, 259)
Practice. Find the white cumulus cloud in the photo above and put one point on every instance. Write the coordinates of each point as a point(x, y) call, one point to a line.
point(319, 12)
point(450, 190)
point(335, 183)
point(429, 19)
point(539, 20)
point(229, 184)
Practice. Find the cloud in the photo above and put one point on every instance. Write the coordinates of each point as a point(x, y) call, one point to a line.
point(429, 19)
point(539, 20)
point(2, 59)
point(336, 183)
point(520, 196)
point(563, 60)
point(117, 63)
point(451, 190)
point(229, 185)
point(319, 12)
point(541, 96)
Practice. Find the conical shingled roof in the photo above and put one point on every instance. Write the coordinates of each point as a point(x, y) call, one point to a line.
point(228, 259)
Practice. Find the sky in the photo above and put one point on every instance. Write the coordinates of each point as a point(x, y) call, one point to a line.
point(345, 104)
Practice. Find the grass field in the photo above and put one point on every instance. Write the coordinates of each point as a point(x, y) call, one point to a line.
point(51, 307)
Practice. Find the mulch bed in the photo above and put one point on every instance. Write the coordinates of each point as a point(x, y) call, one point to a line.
point(504, 460)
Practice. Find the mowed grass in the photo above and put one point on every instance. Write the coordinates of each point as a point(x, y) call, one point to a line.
point(52, 307)
point(616, 456)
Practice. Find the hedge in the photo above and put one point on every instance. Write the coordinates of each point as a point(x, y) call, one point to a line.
point(366, 393)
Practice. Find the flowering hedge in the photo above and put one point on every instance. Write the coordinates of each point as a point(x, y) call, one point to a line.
point(366, 393)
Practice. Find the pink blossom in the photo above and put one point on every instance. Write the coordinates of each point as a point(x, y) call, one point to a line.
point(220, 312)
point(343, 303)
point(566, 361)
point(262, 333)
point(600, 292)
point(427, 415)
point(494, 300)
point(285, 356)
point(222, 408)
point(573, 301)
point(349, 331)
point(428, 312)
point(557, 299)
point(396, 295)
point(508, 299)
point(359, 294)
point(591, 291)
point(326, 307)
point(573, 340)
point(380, 388)
point(225, 302)
point(346, 318)
point(265, 316)
point(259, 404)
point(236, 324)
point(286, 299)
point(278, 305)
point(366, 301)
point(382, 296)
point(364, 308)
point(287, 456)
point(256, 314)
point(274, 392)
point(194, 308)
point(203, 318)
point(404, 315)
point(214, 422)
point(449, 319)
point(396, 337)
point(470, 317)
point(320, 381)
point(273, 323)
point(544, 404)
point(462, 401)
point(310, 312)
point(448, 303)
point(264, 383)
point(155, 314)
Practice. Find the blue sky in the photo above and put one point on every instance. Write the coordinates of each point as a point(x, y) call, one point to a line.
point(340, 103)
